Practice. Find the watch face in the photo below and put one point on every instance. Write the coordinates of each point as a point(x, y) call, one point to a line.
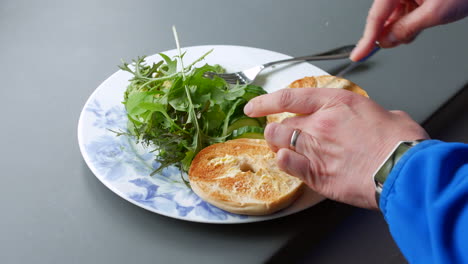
point(382, 173)
point(381, 176)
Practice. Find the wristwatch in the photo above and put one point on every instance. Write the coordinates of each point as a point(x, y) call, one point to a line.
point(384, 170)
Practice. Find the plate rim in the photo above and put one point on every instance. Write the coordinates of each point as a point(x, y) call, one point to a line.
point(84, 154)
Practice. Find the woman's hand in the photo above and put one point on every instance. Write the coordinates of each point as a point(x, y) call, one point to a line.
point(344, 139)
point(393, 22)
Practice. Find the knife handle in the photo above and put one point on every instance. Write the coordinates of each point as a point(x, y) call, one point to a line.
point(373, 51)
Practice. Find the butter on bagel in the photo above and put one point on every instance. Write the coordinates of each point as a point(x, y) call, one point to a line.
point(241, 176)
point(324, 81)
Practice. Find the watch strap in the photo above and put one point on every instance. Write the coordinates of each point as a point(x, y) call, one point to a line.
point(384, 170)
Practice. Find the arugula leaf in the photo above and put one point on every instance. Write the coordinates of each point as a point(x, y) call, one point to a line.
point(213, 119)
point(235, 92)
point(134, 101)
point(171, 65)
point(180, 112)
point(230, 113)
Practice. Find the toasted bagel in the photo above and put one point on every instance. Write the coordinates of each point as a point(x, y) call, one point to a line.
point(324, 81)
point(241, 176)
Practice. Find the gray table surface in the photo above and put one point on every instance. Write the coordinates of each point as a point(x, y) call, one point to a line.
point(55, 53)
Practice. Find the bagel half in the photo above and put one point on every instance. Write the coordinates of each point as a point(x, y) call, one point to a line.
point(324, 81)
point(241, 176)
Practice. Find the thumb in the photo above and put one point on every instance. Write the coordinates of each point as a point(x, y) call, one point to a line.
point(408, 27)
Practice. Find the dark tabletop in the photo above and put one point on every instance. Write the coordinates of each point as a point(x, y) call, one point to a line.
point(55, 54)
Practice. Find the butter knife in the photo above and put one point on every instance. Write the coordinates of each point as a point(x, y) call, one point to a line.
point(352, 65)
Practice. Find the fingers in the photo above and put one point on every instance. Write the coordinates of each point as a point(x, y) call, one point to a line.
point(301, 101)
point(300, 163)
point(405, 29)
point(294, 164)
point(393, 22)
point(378, 15)
point(278, 136)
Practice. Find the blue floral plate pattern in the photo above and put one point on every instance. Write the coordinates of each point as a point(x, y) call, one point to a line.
point(125, 166)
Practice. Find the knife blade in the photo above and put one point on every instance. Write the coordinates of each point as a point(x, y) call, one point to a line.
point(352, 65)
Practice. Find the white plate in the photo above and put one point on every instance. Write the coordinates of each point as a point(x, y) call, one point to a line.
point(124, 166)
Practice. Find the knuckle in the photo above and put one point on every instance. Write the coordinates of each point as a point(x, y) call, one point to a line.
point(309, 146)
point(403, 32)
point(309, 178)
point(348, 98)
point(313, 169)
point(283, 162)
point(286, 98)
point(344, 97)
point(400, 113)
point(315, 174)
point(326, 125)
point(437, 13)
point(443, 15)
point(373, 18)
point(271, 136)
point(270, 131)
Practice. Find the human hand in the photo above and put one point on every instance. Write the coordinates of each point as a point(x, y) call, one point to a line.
point(393, 22)
point(344, 139)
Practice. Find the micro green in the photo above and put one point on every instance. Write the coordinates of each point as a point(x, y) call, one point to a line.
point(177, 111)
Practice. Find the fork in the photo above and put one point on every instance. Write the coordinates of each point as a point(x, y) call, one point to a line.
point(249, 75)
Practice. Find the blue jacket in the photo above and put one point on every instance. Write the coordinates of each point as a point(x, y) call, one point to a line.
point(425, 203)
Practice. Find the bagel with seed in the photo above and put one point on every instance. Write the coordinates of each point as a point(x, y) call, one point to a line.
point(241, 176)
point(324, 81)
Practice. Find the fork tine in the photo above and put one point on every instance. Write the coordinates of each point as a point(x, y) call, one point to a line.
point(247, 76)
point(209, 75)
point(241, 82)
point(231, 78)
point(228, 75)
point(234, 80)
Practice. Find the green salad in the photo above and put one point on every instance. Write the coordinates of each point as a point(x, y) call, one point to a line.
point(180, 112)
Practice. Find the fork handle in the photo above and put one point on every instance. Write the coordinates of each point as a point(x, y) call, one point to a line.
point(334, 54)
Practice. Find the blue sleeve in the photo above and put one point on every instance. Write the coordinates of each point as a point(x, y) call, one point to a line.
point(425, 203)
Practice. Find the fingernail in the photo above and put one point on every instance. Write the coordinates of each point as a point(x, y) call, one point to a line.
point(353, 55)
point(248, 108)
point(354, 51)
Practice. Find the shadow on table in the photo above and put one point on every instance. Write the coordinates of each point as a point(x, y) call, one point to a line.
point(325, 233)
point(360, 236)
point(328, 210)
point(352, 236)
point(363, 67)
point(291, 239)
point(269, 235)
point(450, 121)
